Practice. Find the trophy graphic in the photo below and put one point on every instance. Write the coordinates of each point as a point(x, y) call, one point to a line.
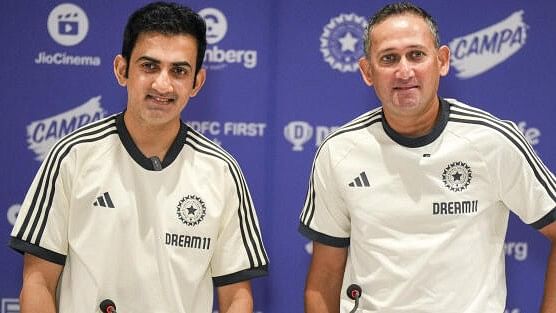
point(298, 133)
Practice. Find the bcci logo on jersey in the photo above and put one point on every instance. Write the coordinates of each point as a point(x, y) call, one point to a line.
point(43, 134)
point(215, 57)
point(191, 210)
point(457, 176)
point(342, 43)
point(476, 53)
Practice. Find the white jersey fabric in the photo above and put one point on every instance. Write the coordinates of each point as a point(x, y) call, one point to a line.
point(152, 236)
point(425, 218)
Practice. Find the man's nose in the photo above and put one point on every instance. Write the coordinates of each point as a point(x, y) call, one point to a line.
point(162, 82)
point(405, 69)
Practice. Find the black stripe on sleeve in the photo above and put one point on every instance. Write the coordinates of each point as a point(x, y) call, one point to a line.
point(244, 275)
point(248, 227)
point(323, 238)
point(549, 218)
point(46, 185)
point(26, 247)
point(362, 122)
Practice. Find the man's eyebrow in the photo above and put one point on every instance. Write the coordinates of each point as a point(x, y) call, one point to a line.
point(394, 49)
point(153, 60)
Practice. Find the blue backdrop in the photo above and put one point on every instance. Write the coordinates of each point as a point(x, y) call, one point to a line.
point(281, 75)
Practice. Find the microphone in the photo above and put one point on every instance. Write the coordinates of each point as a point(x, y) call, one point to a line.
point(354, 293)
point(107, 306)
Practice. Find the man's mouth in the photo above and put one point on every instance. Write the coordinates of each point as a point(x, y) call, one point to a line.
point(403, 88)
point(160, 99)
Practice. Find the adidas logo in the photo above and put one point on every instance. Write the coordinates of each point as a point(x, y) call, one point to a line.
point(360, 181)
point(104, 201)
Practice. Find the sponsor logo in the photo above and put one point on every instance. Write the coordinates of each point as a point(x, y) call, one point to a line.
point(62, 58)
point(186, 241)
point(10, 305)
point(298, 133)
point(12, 213)
point(43, 134)
point(455, 207)
point(360, 181)
point(191, 210)
point(342, 42)
point(217, 58)
point(217, 128)
point(516, 250)
point(217, 24)
point(457, 176)
point(476, 53)
point(68, 24)
point(532, 134)
point(104, 200)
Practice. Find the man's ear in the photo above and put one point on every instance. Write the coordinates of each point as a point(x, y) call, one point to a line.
point(365, 70)
point(444, 60)
point(120, 67)
point(199, 81)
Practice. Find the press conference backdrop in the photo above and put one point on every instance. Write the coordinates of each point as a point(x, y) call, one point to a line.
point(281, 76)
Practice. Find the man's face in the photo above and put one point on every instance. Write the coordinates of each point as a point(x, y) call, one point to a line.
point(160, 78)
point(404, 66)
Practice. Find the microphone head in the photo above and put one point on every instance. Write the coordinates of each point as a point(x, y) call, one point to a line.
point(354, 291)
point(107, 306)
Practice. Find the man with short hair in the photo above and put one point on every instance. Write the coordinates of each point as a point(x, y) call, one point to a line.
point(411, 200)
point(138, 207)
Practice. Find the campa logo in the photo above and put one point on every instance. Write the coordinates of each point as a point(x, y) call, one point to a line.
point(43, 134)
point(478, 52)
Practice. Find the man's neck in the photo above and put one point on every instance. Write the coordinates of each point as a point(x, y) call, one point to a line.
point(414, 126)
point(152, 140)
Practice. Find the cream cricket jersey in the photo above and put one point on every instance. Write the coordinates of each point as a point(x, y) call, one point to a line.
point(425, 218)
point(152, 236)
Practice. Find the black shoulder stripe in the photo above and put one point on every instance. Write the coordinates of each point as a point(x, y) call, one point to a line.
point(516, 138)
point(45, 188)
point(361, 122)
point(247, 219)
point(249, 230)
point(549, 218)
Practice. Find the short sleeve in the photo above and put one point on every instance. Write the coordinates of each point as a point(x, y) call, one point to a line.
point(325, 218)
point(41, 225)
point(527, 186)
point(239, 253)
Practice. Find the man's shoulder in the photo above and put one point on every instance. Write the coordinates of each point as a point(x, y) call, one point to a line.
point(350, 130)
point(209, 148)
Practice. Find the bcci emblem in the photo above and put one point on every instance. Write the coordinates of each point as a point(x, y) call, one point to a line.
point(457, 176)
point(341, 42)
point(191, 210)
point(298, 133)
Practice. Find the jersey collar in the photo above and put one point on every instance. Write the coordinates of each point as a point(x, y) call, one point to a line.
point(139, 157)
point(423, 140)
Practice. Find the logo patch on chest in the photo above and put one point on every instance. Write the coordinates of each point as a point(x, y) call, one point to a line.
point(457, 176)
point(191, 210)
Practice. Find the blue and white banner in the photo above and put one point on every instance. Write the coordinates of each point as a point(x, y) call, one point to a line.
point(281, 75)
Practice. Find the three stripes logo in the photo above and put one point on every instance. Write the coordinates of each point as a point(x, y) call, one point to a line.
point(360, 181)
point(104, 200)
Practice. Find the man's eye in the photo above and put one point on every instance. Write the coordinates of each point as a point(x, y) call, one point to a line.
point(148, 66)
point(180, 71)
point(389, 58)
point(417, 54)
